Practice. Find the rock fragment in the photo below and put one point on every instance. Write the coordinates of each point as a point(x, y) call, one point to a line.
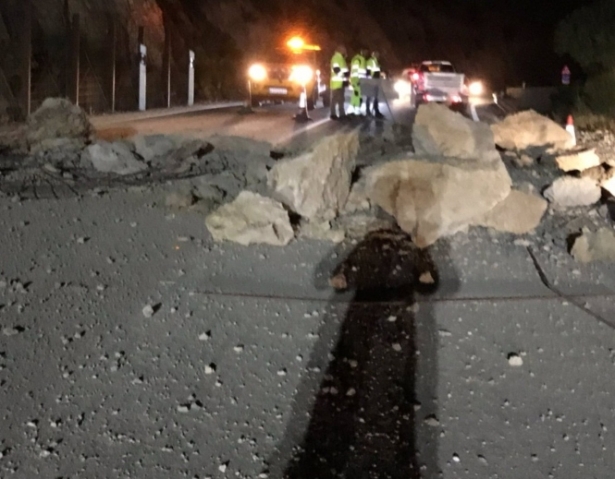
point(530, 130)
point(518, 213)
point(568, 191)
point(598, 246)
point(578, 161)
point(114, 157)
point(251, 218)
point(316, 184)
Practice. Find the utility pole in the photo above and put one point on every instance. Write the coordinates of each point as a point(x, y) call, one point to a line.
point(113, 62)
point(142, 71)
point(167, 64)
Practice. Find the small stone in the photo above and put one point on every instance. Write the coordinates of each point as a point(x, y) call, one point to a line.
point(148, 311)
point(351, 392)
point(456, 458)
point(515, 360)
point(426, 278)
point(397, 347)
point(205, 336)
point(210, 369)
point(183, 408)
point(239, 348)
point(392, 319)
point(432, 421)
point(222, 467)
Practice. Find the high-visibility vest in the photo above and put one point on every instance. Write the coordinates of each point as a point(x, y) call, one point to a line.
point(358, 67)
point(337, 79)
point(373, 66)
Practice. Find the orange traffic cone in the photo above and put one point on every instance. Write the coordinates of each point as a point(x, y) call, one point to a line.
point(570, 130)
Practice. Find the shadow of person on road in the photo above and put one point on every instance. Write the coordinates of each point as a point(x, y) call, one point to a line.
point(355, 412)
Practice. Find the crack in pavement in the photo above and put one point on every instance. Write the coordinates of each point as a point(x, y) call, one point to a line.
point(569, 298)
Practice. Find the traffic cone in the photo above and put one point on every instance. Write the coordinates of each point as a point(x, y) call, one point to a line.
point(570, 130)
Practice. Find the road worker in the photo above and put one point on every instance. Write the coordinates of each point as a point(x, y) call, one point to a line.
point(373, 71)
point(339, 73)
point(358, 71)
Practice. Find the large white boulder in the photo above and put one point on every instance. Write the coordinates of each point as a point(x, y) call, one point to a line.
point(433, 199)
point(530, 130)
point(578, 160)
point(439, 131)
point(316, 184)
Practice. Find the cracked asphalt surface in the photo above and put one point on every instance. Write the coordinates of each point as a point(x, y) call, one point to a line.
point(132, 346)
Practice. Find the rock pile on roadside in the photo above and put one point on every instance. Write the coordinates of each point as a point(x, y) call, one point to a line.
point(578, 181)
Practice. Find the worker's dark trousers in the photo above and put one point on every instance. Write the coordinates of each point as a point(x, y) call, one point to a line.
point(337, 99)
point(372, 106)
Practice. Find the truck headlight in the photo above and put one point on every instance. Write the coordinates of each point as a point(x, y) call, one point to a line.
point(476, 88)
point(301, 74)
point(402, 87)
point(257, 72)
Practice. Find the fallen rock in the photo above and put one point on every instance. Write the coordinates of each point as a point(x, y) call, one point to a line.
point(57, 118)
point(321, 231)
point(568, 191)
point(518, 213)
point(432, 199)
point(597, 174)
point(357, 199)
point(317, 183)
point(112, 158)
point(439, 131)
point(608, 181)
point(180, 200)
point(186, 155)
point(598, 246)
point(251, 218)
point(524, 160)
point(154, 148)
point(528, 129)
point(578, 161)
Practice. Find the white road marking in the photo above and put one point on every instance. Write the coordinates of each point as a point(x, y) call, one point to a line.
point(309, 127)
point(473, 112)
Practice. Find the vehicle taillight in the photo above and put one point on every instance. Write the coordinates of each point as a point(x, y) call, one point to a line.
point(415, 76)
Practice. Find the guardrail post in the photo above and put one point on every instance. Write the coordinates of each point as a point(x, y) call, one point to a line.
point(142, 71)
point(113, 63)
point(191, 57)
point(75, 58)
point(26, 59)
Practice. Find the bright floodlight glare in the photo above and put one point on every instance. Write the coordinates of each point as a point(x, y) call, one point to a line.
point(402, 87)
point(301, 74)
point(296, 43)
point(476, 88)
point(257, 72)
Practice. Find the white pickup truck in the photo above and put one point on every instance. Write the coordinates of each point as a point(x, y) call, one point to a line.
point(437, 81)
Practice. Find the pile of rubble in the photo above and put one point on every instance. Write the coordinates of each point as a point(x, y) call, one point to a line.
point(445, 176)
point(454, 179)
point(59, 141)
point(581, 176)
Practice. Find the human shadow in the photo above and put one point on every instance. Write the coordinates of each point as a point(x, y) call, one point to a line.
point(372, 375)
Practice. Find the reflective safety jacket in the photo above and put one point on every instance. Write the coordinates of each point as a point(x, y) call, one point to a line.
point(358, 67)
point(339, 69)
point(373, 68)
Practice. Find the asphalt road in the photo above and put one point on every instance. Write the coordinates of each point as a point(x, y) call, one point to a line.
point(249, 364)
point(271, 123)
